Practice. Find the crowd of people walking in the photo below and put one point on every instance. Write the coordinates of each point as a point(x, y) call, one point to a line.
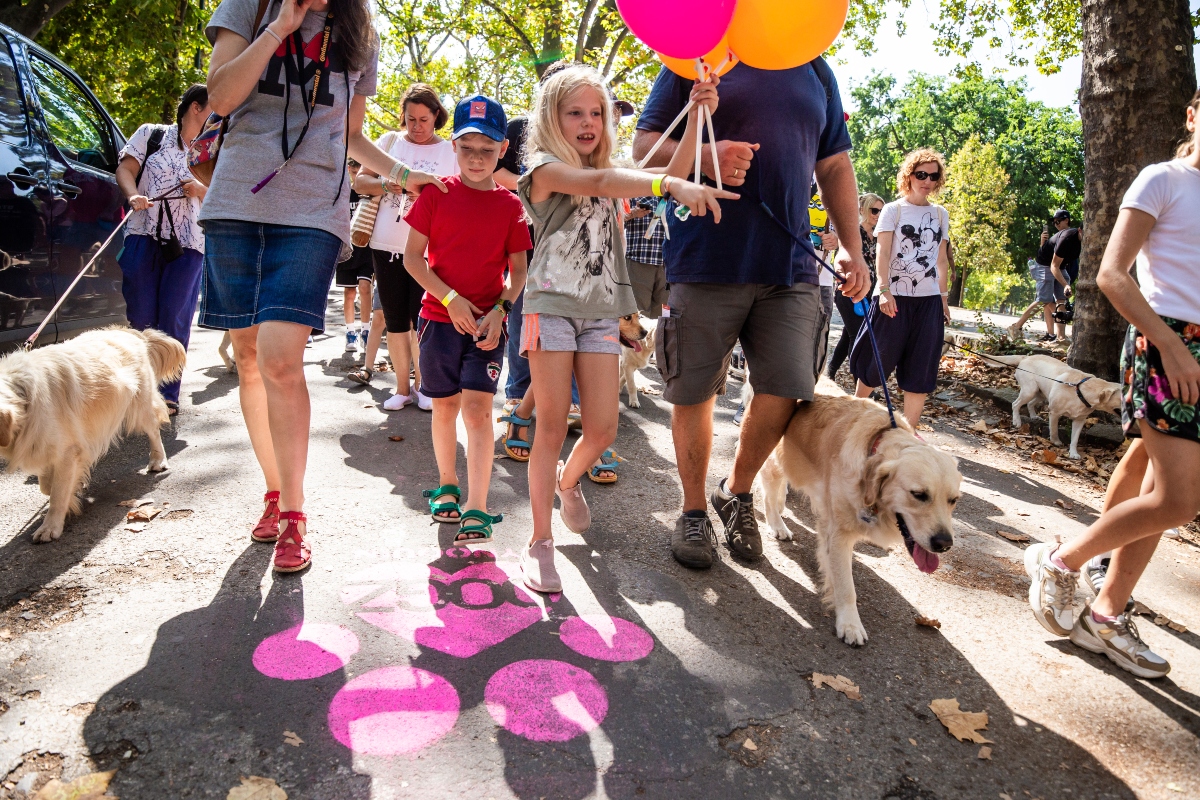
point(526, 241)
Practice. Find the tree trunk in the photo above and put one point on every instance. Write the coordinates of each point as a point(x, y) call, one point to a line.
point(958, 277)
point(30, 18)
point(1138, 76)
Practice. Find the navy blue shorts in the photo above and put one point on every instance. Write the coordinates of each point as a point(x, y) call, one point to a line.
point(909, 343)
point(451, 362)
point(255, 273)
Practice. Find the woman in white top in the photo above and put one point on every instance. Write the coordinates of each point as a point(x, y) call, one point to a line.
point(910, 315)
point(161, 293)
point(422, 115)
point(1158, 227)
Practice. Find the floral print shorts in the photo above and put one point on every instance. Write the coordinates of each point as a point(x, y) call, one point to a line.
point(1147, 394)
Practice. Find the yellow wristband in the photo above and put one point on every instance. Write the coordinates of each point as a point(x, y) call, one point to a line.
point(450, 295)
point(656, 186)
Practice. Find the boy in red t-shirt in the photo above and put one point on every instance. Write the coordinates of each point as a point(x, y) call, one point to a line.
point(474, 232)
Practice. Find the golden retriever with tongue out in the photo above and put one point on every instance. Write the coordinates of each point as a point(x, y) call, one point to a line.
point(637, 345)
point(865, 481)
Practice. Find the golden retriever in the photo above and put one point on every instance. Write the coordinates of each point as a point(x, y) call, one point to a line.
point(866, 481)
point(62, 407)
point(1065, 391)
point(637, 345)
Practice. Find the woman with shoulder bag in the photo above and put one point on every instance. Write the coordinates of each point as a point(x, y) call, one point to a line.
point(277, 216)
point(163, 253)
point(870, 206)
point(417, 143)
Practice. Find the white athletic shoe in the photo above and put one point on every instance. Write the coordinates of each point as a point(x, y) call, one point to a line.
point(1016, 333)
point(1120, 641)
point(424, 403)
point(362, 340)
point(1051, 591)
point(398, 401)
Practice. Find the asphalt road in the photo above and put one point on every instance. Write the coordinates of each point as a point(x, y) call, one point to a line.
point(401, 666)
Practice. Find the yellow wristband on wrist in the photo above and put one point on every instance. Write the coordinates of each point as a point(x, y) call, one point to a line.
point(449, 298)
point(656, 186)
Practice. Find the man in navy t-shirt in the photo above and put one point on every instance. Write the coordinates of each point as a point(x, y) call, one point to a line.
point(746, 279)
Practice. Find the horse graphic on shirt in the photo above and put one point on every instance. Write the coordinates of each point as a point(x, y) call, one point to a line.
point(915, 254)
point(583, 263)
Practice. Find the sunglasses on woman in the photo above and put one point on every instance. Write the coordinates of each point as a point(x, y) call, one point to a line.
point(875, 212)
point(922, 175)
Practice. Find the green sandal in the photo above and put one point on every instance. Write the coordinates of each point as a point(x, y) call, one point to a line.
point(440, 510)
point(477, 533)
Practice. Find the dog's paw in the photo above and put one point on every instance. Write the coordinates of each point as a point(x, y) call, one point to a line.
point(850, 629)
point(780, 530)
point(48, 532)
point(633, 401)
point(157, 466)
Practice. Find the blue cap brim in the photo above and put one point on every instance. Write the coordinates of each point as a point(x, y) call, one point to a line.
point(494, 134)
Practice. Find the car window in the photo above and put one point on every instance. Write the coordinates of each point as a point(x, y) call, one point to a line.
point(12, 115)
point(77, 127)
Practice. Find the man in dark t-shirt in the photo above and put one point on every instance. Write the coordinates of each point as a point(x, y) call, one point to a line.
point(1054, 271)
point(747, 279)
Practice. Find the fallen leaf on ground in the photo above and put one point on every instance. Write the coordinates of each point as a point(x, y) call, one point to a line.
point(1045, 456)
point(1174, 787)
point(145, 501)
point(962, 725)
point(980, 427)
point(985, 753)
point(256, 788)
point(395, 438)
point(136, 527)
point(913, 742)
point(1004, 796)
point(85, 788)
point(291, 738)
point(1013, 537)
point(928, 622)
point(1063, 504)
point(1160, 620)
point(143, 514)
point(839, 683)
point(1175, 626)
point(749, 744)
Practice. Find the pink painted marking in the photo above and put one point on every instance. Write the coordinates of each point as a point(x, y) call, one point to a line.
point(546, 701)
point(460, 631)
point(393, 710)
point(385, 600)
point(606, 638)
point(306, 651)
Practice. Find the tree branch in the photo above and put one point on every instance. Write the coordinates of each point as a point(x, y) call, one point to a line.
point(612, 54)
point(533, 52)
point(584, 24)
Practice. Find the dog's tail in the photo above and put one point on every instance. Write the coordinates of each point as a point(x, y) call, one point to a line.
point(996, 361)
point(166, 354)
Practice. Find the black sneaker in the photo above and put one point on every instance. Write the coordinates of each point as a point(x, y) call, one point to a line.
point(694, 542)
point(741, 528)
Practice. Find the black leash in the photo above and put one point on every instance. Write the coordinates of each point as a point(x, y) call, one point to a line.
point(807, 245)
point(1074, 386)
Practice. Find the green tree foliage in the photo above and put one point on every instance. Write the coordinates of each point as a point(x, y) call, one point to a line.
point(981, 203)
point(501, 47)
point(136, 55)
point(1040, 148)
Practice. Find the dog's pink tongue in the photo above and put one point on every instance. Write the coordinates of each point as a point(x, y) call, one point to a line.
point(637, 346)
point(926, 561)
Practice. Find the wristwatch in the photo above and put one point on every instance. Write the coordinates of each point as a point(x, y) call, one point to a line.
point(505, 304)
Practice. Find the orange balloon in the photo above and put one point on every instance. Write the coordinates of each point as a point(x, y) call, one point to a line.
point(720, 56)
point(781, 34)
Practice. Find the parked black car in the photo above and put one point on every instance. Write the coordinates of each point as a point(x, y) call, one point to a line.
point(59, 198)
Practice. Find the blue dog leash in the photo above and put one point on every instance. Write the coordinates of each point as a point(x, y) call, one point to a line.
point(807, 245)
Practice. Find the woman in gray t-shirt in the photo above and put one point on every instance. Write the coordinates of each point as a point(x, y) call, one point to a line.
point(292, 79)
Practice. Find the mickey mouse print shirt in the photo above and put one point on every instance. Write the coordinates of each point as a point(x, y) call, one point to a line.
point(918, 233)
point(305, 194)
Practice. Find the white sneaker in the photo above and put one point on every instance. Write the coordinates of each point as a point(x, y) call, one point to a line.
point(398, 401)
point(351, 340)
point(537, 567)
point(424, 403)
point(1120, 641)
point(362, 339)
point(1051, 591)
point(1172, 533)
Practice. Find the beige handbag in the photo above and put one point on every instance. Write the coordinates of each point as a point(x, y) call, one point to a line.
point(363, 224)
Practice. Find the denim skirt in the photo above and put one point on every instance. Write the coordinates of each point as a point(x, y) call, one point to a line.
point(255, 272)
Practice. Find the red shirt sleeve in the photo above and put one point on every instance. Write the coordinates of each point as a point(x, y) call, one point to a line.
point(518, 231)
point(420, 215)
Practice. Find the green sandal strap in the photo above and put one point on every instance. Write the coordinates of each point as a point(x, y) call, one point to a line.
point(609, 466)
point(447, 489)
point(438, 509)
point(484, 526)
point(513, 419)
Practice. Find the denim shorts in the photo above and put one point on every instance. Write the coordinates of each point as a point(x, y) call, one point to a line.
point(255, 273)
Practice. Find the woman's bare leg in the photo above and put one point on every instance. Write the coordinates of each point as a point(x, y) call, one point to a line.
point(281, 364)
point(550, 383)
point(598, 376)
point(253, 398)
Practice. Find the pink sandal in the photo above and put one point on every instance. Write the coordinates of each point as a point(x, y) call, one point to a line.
point(267, 529)
point(292, 553)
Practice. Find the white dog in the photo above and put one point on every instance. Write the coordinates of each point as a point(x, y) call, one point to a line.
point(637, 345)
point(1068, 392)
point(865, 481)
point(62, 407)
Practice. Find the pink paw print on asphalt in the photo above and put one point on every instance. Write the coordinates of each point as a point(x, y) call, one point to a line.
point(402, 709)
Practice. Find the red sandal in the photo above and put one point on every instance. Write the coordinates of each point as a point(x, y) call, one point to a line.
point(267, 529)
point(292, 553)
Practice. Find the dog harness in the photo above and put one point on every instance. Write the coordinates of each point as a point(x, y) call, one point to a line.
point(1082, 399)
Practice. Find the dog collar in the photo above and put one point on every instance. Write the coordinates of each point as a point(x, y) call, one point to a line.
point(1083, 399)
point(875, 442)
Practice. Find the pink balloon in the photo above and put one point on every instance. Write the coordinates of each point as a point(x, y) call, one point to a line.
point(679, 28)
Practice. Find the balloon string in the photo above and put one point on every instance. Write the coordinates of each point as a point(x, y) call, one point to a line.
point(666, 135)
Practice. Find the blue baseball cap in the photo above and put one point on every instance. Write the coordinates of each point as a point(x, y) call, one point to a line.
point(480, 114)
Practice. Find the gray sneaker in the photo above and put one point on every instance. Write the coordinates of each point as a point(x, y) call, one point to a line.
point(1095, 573)
point(694, 542)
point(1119, 640)
point(741, 528)
point(1051, 590)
